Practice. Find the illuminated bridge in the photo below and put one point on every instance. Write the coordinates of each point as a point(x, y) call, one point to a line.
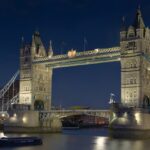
point(81, 58)
point(36, 72)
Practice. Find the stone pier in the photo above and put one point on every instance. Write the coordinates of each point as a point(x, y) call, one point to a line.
point(129, 122)
point(29, 122)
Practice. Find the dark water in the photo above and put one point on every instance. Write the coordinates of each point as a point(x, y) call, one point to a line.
point(85, 139)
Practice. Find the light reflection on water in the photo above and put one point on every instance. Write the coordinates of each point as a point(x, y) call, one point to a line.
point(87, 139)
point(100, 143)
point(106, 143)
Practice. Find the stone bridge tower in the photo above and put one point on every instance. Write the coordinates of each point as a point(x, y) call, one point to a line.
point(35, 79)
point(135, 73)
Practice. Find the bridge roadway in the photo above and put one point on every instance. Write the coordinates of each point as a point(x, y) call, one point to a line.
point(81, 58)
point(45, 115)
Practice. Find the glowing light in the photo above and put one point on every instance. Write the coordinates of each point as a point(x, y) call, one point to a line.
point(125, 115)
point(138, 117)
point(96, 50)
point(15, 115)
point(50, 56)
point(71, 53)
point(4, 115)
point(114, 115)
point(100, 143)
point(2, 135)
point(24, 119)
point(148, 68)
point(14, 118)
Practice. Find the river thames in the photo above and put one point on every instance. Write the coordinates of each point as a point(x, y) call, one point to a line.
point(85, 139)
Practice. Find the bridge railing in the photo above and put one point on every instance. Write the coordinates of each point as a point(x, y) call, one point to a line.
point(104, 51)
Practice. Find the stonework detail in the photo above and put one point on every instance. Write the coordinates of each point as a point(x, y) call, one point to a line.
point(35, 79)
point(134, 43)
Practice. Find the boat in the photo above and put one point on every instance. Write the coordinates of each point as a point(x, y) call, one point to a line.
point(19, 141)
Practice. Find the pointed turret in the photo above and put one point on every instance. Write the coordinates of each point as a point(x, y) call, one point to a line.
point(36, 39)
point(139, 22)
point(50, 51)
point(37, 45)
point(33, 41)
point(123, 32)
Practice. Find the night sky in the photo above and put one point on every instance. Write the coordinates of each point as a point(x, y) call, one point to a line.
point(67, 23)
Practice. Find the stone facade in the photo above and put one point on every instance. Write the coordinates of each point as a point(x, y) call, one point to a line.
point(135, 74)
point(35, 79)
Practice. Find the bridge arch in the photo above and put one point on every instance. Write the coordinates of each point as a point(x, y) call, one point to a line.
point(38, 105)
point(146, 101)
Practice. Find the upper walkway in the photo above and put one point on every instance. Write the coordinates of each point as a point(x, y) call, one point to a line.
point(74, 58)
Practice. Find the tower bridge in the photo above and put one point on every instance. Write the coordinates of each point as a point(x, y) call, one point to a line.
point(36, 68)
point(37, 64)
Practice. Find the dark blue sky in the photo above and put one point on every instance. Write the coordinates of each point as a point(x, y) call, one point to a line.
point(69, 21)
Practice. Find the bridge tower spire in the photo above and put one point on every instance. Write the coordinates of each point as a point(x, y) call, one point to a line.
point(35, 79)
point(135, 78)
point(139, 22)
point(50, 51)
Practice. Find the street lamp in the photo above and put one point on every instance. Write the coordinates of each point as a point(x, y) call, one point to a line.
point(4, 115)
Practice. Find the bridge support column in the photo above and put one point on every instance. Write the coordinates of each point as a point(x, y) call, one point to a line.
point(129, 122)
point(41, 87)
point(51, 121)
point(35, 79)
point(29, 122)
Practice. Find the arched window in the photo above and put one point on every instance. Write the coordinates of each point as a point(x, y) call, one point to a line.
point(38, 105)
